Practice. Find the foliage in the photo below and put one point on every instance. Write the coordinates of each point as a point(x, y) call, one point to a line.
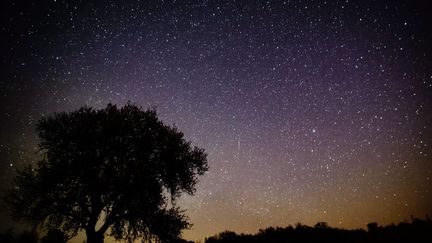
point(416, 231)
point(119, 166)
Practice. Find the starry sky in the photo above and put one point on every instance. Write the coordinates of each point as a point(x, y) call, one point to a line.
point(309, 110)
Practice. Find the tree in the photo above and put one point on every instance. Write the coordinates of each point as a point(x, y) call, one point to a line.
point(116, 170)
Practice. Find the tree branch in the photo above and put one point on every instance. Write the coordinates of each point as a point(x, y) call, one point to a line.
point(106, 225)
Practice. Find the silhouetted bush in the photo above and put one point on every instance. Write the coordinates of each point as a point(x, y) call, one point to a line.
point(22, 237)
point(54, 236)
point(417, 231)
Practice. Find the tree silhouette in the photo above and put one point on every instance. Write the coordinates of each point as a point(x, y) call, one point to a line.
point(116, 170)
point(417, 231)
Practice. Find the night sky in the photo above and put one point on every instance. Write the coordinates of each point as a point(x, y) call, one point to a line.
point(309, 110)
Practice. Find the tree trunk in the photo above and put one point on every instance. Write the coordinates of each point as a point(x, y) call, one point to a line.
point(94, 237)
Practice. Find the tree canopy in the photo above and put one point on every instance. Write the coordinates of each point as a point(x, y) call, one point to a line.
point(115, 170)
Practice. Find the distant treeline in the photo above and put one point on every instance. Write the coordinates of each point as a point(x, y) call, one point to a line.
point(417, 230)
